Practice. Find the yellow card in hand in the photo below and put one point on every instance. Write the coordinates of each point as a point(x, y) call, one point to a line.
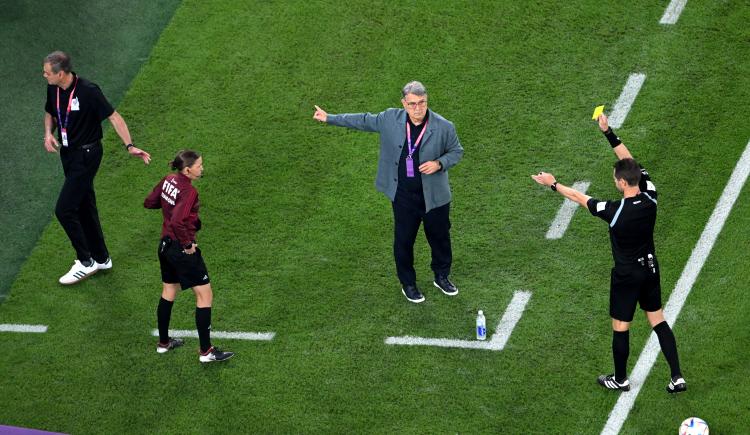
point(598, 111)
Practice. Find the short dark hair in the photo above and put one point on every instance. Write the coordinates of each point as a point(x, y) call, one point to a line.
point(184, 159)
point(59, 61)
point(628, 170)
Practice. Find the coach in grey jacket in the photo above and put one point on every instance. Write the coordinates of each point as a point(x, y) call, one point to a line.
point(417, 147)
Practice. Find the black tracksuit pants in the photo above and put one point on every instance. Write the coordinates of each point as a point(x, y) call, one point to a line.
point(408, 214)
point(76, 204)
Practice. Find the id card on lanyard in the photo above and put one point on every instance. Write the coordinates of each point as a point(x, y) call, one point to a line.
point(410, 149)
point(64, 125)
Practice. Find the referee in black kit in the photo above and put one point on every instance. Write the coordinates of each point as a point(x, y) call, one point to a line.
point(635, 277)
point(76, 107)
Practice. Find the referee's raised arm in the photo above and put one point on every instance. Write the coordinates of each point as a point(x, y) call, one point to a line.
point(618, 147)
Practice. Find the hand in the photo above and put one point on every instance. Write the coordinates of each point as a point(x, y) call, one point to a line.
point(603, 124)
point(430, 167)
point(50, 143)
point(140, 153)
point(544, 178)
point(191, 250)
point(320, 114)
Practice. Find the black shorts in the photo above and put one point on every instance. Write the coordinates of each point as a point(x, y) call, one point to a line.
point(630, 285)
point(188, 270)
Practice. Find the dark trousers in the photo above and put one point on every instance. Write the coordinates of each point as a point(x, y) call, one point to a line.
point(76, 205)
point(408, 214)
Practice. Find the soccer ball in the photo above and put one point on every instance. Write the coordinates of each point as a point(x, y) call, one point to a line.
point(693, 426)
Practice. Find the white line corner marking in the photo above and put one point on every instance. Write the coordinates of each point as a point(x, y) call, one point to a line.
point(185, 333)
point(565, 214)
point(626, 99)
point(7, 327)
point(497, 342)
point(681, 290)
point(673, 11)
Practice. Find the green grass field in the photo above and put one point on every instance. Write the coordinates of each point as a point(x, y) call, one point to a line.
point(298, 241)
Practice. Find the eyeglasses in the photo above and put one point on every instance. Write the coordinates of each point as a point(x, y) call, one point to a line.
point(413, 104)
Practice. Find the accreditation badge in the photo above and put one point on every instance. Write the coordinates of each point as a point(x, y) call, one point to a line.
point(64, 136)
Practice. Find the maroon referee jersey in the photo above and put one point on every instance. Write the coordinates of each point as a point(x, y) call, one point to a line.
point(178, 201)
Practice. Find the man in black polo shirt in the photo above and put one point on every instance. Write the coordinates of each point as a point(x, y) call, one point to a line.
point(76, 107)
point(635, 277)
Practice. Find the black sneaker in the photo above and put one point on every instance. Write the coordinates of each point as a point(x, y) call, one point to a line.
point(173, 343)
point(214, 354)
point(676, 385)
point(445, 285)
point(609, 382)
point(412, 293)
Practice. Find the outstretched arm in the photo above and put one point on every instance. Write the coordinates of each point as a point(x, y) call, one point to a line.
point(547, 179)
point(357, 121)
point(618, 147)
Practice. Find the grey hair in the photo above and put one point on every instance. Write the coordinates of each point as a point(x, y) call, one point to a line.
point(415, 88)
point(59, 61)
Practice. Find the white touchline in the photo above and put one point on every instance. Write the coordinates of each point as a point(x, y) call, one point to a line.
point(7, 327)
point(626, 99)
point(565, 214)
point(673, 11)
point(191, 333)
point(498, 340)
point(681, 290)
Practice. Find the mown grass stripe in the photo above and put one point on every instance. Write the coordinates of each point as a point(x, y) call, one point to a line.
point(682, 289)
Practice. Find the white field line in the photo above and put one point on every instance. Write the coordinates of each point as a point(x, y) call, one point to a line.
point(626, 99)
point(565, 214)
point(498, 340)
point(185, 333)
point(681, 291)
point(7, 327)
point(673, 11)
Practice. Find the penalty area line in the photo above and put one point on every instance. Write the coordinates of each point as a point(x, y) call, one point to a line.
point(681, 290)
point(9, 327)
point(497, 342)
point(673, 11)
point(565, 214)
point(253, 336)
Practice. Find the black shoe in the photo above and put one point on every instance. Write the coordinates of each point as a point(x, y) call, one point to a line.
point(676, 385)
point(609, 382)
point(171, 344)
point(214, 354)
point(412, 293)
point(445, 285)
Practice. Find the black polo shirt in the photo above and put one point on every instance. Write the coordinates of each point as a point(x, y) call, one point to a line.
point(631, 223)
point(411, 184)
point(85, 125)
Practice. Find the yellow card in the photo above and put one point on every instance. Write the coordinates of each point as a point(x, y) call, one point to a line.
point(598, 111)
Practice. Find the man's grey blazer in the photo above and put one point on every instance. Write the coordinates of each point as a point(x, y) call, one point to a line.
point(439, 142)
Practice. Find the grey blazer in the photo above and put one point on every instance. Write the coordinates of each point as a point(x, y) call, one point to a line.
point(438, 143)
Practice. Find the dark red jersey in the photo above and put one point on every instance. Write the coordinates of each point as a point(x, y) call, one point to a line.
point(178, 201)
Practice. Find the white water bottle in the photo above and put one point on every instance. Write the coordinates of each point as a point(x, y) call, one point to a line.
point(481, 326)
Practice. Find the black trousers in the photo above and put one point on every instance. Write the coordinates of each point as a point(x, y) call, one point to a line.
point(76, 204)
point(408, 214)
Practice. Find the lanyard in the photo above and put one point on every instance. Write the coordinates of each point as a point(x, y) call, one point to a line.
point(408, 138)
point(64, 128)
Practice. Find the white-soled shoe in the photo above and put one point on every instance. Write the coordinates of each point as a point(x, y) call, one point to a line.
point(104, 266)
point(78, 273)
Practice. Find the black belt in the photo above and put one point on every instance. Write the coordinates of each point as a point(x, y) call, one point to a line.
point(88, 146)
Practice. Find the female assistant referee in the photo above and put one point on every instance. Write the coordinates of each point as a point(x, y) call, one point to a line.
point(180, 258)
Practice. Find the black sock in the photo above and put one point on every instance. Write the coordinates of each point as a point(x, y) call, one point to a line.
point(620, 353)
point(88, 263)
point(163, 314)
point(668, 347)
point(203, 324)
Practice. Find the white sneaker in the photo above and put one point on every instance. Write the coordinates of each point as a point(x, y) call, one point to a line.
point(77, 273)
point(104, 266)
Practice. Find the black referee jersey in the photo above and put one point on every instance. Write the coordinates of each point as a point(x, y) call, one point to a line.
point(631, 223)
